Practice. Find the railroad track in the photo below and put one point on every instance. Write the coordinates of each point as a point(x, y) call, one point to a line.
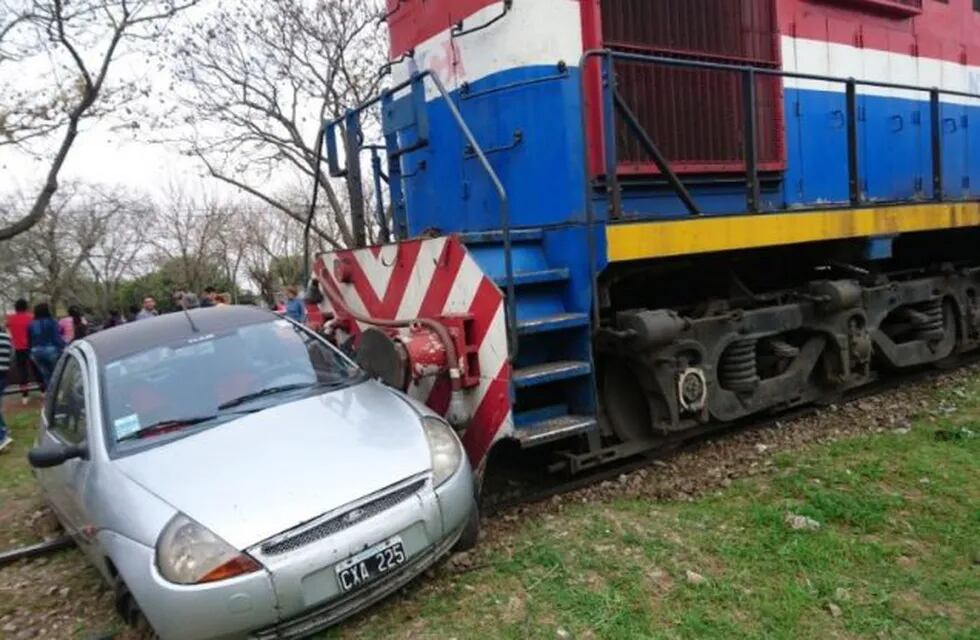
point(541, 486)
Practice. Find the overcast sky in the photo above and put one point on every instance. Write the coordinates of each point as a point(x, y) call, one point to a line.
point(128, 157)
point(103, 155)
point(107, 158)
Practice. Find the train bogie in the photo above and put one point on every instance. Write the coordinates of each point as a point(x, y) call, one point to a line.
point(776, 350)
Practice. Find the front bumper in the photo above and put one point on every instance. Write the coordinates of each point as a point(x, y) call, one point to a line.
point(224, 610)
point(308, 591)
point(298, 593)
point(337, 610)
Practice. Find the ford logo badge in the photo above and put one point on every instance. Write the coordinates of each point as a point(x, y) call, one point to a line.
point(353, 516)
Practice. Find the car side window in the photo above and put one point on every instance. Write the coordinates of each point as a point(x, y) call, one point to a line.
point(68, 418)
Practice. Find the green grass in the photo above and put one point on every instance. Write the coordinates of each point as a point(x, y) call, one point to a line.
point(18, 493)
point(56, 596)
point(896, 556)
point(22, 426)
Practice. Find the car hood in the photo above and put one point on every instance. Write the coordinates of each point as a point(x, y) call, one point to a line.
point(259, 475)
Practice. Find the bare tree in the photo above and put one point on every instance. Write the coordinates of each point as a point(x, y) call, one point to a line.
point(273, 257)
point(261, 77)
point(78, 43)
point(120, 252)
point(231, 244)
point(14, 278)
point(48, 258)
point(187, 236)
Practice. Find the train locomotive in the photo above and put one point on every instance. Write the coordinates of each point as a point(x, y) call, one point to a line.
point(611, 223)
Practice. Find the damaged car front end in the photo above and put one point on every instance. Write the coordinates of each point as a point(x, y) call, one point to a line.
point(301, 493)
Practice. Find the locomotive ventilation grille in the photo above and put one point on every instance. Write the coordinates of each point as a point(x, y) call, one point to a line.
point(310, 533)
point(696, 116)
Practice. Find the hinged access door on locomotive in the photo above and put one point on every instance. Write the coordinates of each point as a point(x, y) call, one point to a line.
point(696, 116)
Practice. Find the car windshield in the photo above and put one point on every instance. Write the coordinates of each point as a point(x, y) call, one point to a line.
point(197, 383)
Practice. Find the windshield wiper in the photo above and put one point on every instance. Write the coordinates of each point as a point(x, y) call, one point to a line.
point(178, 424)
point(173, 424)
point(269, 391)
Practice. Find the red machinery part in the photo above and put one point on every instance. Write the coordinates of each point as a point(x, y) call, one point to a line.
point(436, 279)
point(315, 319)
point(343, 270)
point(425, 354)
point(457, 413)
point(402, 357)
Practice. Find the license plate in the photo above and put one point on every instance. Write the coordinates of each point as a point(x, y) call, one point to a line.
point(368, 565)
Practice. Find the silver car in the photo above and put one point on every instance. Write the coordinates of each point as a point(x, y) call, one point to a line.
point(233, 475)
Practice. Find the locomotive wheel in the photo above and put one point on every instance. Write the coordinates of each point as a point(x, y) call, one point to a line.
point(625, 403)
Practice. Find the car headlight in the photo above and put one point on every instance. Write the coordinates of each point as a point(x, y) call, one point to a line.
point(189, 553)
point(444, 447)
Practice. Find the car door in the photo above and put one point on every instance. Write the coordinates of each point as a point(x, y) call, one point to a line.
point(65, 421)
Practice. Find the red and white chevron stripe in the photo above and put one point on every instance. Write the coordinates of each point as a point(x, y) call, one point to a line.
point(427, 279)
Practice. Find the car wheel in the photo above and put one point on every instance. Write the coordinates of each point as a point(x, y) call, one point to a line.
point(129, 610)
point(471, 533)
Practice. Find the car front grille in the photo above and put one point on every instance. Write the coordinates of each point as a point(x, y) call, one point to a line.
point(325, 615)
point(312, 532)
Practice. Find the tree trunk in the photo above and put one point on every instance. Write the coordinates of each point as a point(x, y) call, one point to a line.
point(50, 185)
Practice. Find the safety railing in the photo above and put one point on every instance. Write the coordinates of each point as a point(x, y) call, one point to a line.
point(350, 126)
point(613, 105)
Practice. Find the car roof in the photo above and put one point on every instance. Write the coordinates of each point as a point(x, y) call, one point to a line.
point(140, 335)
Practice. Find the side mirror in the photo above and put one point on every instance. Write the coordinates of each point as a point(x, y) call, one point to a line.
point(50, 455)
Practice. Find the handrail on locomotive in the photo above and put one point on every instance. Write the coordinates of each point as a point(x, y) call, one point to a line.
point(355, 144)
point(613, 102)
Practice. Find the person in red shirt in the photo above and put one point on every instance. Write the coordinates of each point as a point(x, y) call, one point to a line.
point(17, 324)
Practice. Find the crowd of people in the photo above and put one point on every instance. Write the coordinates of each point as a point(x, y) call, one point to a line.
point(31, 341)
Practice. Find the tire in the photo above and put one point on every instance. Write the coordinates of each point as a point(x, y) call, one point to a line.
point(471, 533)
point(129, 610)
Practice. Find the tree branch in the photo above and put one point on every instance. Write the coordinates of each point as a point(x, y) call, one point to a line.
point(268, 200)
